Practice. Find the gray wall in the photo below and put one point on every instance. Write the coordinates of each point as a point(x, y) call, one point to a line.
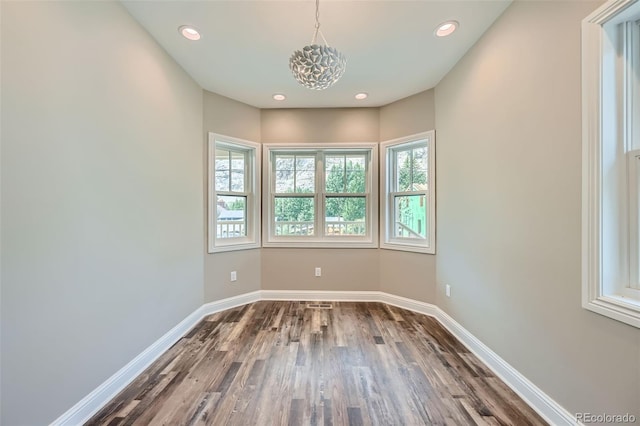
point(102, 204)
point(230, 118)
point(509, 189)
point(320, 125)
point(342, 269)
point(406, 117)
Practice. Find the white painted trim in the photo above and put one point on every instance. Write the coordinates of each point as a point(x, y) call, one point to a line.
point(387, 241)
point(99, 397)
point(542, 403)
point(320, 240)
point(328, 296)
point(605, 256)
point(230, 302)
point(253, 169)
point(409, 304)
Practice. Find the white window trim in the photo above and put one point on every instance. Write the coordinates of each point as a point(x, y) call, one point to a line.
point(252, 239)
point(602, 283)
point(633, 167)
point(386, 205)
point(370, 240)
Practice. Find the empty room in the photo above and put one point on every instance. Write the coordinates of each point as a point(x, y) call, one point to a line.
point(327, 212)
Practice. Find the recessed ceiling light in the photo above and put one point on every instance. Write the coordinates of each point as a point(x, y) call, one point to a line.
point(279, 97)
point(446, 28)
point(189, 32)
point(361, 96)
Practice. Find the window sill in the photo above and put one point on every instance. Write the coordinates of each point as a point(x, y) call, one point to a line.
point(617, 307)
point(320, 244)
point(408, 247)
point(234, 247)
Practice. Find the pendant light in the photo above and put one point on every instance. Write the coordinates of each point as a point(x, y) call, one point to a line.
point(317, 66)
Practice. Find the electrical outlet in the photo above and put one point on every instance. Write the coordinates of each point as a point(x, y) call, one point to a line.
point(234, 276)
point(318, 272)
point(447, 290)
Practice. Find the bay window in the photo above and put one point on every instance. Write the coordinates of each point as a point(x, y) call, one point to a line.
point(320, 196)
point(408, 194)
point(234, 195)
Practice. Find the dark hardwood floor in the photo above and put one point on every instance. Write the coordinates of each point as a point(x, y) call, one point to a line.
point(282, 363)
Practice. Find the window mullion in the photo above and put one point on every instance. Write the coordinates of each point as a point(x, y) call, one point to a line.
point(230, 170)
point(634, 243)
point(394, 177)
point(411, 168)
point(344, 174)
point(272, 214)
point(627, 78)
point(635, 84)
point(295, 173)
point(248, 178)
point(320, 194)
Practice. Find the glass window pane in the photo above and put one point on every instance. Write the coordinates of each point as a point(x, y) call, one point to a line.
point(237, 181)
point(346, 216)
point(305, 173)
point(334, 173)
point(356, 161)
point(403, 170)
point(237, 171)
point(420, 169)
point(284, 173)
point(294, 215)
point(231, 217)
point(222, 180)
point(222, 167)
point(356, 174)
point(331, 161)
point(345, 173)
point(305, 181)
point(222, 159)
point(284, 162)
point(306, 162)
point(410, 219)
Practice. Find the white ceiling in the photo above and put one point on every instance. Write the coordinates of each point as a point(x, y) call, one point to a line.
point(245, 46)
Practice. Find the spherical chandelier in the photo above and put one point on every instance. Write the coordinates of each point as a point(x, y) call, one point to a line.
point(316, 66)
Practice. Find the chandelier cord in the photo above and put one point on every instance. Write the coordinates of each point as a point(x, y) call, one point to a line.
point(318, 31)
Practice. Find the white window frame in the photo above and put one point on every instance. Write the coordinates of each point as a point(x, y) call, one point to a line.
point(610, 129)
point(633, 169)
point(387, 205)
point(319, 240)
point(252, 192)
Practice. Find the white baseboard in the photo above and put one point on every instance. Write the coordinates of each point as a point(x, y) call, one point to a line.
point(230, 302)
point(316, 295)
point(99, 397)
point(410, 304)
point(544, 405)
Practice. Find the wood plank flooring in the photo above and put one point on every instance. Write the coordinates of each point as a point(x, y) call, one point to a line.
point(282, 363)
